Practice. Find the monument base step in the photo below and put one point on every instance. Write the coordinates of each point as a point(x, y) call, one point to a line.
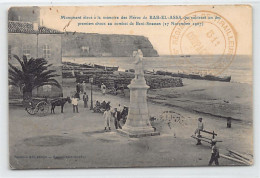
point(137, 135)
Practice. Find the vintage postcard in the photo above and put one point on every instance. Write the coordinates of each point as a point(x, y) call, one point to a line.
point(130, 86)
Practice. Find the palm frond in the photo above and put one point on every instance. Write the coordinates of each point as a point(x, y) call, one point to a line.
point(19, 60)
point(52, 82)
point(33, 73)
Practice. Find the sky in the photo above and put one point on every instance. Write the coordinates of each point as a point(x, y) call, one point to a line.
point(240, 18)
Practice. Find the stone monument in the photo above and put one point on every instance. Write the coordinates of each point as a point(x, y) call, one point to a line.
point(137, 123)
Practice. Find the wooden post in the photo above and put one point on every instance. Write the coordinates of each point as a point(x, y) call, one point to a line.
point(91, 95)
point(234, 159)
point(239, 154)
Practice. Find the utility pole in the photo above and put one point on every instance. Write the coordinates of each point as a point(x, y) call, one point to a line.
point(91, 95)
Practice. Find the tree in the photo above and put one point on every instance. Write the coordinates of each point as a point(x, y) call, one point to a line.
point(31, 74)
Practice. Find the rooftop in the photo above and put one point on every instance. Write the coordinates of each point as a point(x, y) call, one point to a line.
point(27, 27)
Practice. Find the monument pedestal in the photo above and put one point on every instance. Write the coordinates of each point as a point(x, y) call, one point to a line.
point(138, 123)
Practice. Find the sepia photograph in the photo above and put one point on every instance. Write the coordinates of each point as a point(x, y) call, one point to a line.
point(130, 86)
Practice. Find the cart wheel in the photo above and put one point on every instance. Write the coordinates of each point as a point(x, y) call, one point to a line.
point(43, 108)
point(31, 111)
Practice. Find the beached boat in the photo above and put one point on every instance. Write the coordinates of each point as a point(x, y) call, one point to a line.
point(214, 78)
point(196, 76)
point(71, 64)
point(106, 67)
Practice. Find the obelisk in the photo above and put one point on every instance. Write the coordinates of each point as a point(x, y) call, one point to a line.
point(137, 123)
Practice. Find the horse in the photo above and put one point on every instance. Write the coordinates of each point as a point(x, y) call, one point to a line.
point(59, 102)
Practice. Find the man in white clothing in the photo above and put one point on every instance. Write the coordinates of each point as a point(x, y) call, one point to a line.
point(74, 103)
point(107, 116)
point(197, 131)
point(103, 88)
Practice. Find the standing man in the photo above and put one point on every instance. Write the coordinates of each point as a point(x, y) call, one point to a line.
point(119, 114)
point(214, 153)
point(117, 119)
point(124, 114)
point(85, 99)
point(84, 87)
point(107, 116)
point(75, 104)
point(120, 109)
point(78, 91)
point(103, 88)
point(229, 122)
point(108, 105)
point(78, 88)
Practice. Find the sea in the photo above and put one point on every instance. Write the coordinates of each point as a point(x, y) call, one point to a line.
point(240, 69)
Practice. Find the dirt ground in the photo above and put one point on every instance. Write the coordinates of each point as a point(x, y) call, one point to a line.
point(78, 140)
point(220, 99)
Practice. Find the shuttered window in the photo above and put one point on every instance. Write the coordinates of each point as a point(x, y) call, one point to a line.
point(46, 51)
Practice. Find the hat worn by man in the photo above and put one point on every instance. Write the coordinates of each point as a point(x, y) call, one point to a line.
point(213, 140)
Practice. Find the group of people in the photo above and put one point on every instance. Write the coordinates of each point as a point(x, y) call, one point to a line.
point(101, 107)
point(117, 88)
point(118, 115)
point(75, 100)
point(80, 88)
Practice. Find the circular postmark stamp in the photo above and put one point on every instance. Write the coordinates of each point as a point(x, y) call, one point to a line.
point(203, 42)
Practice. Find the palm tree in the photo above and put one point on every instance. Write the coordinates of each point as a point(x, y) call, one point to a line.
point(32, 74)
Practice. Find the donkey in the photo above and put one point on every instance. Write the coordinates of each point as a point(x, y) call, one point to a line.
point(59, 102)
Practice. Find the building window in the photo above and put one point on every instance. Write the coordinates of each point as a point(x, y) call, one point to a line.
point(27, 51)
point(9, 51)
point(46, 88)
point(46, 51)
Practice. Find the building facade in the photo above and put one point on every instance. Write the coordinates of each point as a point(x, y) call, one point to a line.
point(34, 41)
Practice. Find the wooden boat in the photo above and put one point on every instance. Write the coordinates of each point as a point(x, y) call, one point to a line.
point(215, 78)
point(196, 76)
point(106, 67)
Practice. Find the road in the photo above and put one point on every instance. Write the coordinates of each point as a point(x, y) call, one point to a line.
point(78, 140)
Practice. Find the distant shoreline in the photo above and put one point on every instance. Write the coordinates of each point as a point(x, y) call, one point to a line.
point(240, 70)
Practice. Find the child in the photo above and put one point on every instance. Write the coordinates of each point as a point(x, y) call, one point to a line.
point(85, 99)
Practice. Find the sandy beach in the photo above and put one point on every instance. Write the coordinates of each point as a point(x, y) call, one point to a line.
point(220, 99)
